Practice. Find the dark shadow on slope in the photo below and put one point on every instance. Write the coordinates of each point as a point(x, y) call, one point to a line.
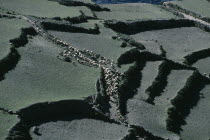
point(131, 82)
point(93, 7)
point(101, 98)
point(23, 39)
point(40, 113)
point(160, 82)
point(186, 99)
point(136, 26)
point(66, 27)
point(135, 55)
point(132, 77)
point(11, 60)
point(195, 56)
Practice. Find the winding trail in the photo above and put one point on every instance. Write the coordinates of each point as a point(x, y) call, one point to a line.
point(195, 19)
point(187, 16)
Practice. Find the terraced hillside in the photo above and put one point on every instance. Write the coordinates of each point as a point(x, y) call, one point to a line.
point(72, 69)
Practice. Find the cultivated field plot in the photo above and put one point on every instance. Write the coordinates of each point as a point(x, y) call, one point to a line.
point(43, 8)
point(199, 118)
point(72, 69)
point(80, 129)
point(203, 65)
point(101, 44)
point(61, 80)
point(134, 11)
point(149, 74)
point(183, 41)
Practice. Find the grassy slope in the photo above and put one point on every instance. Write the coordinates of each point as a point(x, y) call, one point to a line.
point(180, 40)
point(43, 8)
point(198, 122)
point(134, 11)
point(173, 86)
point(149, 117)
point(203, 65)
point(8, 31)
point(151, 46)
point(153, 117)
point(81, 129)
point(90, 23)
point(149, 73)
point(102, 44)
point(6, 122)
point(198, 6)
point(40, 76)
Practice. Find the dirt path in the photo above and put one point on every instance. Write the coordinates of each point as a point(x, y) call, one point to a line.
point(187, 16)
